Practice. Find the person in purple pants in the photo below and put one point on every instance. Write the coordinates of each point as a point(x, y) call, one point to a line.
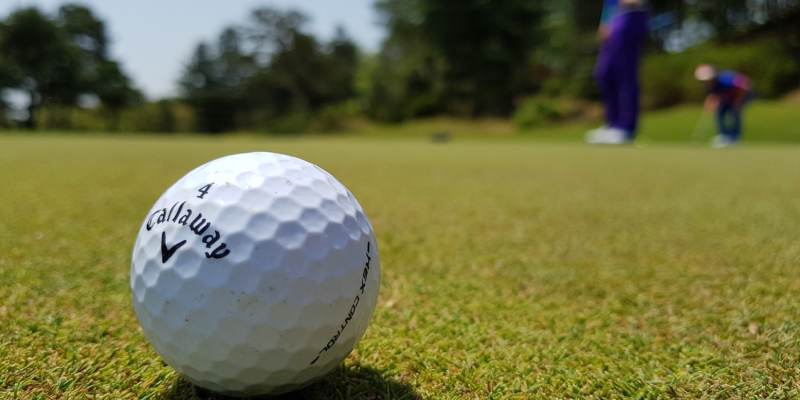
point(623, 29)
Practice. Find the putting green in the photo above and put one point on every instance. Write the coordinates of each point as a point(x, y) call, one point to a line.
point(512, 269)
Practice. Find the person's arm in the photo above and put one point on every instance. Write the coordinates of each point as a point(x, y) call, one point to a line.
point(609, 9)
point(711, 103)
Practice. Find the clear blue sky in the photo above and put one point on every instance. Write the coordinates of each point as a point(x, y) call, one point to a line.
point(154, 39)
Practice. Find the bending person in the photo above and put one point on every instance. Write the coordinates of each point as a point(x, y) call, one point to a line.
point(728, 92)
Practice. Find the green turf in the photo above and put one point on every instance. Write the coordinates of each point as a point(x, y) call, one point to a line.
point(511, 269)
point(764, 122)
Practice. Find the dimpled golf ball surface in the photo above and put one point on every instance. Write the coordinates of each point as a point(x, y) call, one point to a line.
point(255, 274)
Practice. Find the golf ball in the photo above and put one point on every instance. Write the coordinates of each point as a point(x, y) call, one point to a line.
point(255, 274)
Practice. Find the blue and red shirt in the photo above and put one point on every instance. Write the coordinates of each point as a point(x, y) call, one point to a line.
point(730, 85)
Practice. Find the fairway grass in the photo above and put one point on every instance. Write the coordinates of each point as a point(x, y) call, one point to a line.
point(511, 269)
point(765, 122)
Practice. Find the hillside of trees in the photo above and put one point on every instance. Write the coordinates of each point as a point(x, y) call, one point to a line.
point(465, 58)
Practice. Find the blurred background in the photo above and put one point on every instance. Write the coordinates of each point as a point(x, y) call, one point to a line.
point(319, 66)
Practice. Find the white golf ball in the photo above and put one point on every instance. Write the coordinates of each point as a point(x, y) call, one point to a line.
point(255, 274)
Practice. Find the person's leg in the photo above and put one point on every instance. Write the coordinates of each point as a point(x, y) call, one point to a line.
point(607, 84)
point(729, 120)
point(630, 32)
point(735, 130)
point(722, 114)
point(722, 118)
point(728, 124)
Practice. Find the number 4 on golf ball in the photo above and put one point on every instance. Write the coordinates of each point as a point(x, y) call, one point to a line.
point(255, 274)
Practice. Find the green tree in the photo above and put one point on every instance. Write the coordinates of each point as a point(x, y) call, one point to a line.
point(85, 30)
point(729, 19)
point(6, 81)
point(57, 60)
point(114, 90)
point(165, 121)
point(100, 75)
point(487, 46)
point(269, 72)
point(298, 76)
point(343, 64)
point(202, 90)
point(408, 76)
point(213, 80)
point(469, 58)
point(294, 79)
point(39, 60)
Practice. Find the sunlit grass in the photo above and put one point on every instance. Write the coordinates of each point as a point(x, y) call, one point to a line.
point(511, 268)
point(764, 122)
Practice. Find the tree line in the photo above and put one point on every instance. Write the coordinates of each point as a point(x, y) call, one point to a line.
point(468, 58)
point(268, 72)
point(61, 61)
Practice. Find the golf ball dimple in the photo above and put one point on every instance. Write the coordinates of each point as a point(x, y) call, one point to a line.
point(255, 274)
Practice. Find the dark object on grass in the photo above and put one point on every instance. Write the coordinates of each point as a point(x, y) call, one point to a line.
point(440, 137)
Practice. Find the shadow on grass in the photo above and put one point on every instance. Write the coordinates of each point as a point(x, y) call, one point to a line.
point(352, 382)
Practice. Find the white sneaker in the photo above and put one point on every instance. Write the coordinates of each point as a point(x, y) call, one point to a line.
point(609, 136)
point(593, 136)
point(616, 136)
point(721, 142)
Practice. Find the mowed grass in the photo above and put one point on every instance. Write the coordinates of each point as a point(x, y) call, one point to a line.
point(764, 122)
point(511, 269)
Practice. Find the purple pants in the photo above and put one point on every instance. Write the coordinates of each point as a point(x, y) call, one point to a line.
point(617, 70)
